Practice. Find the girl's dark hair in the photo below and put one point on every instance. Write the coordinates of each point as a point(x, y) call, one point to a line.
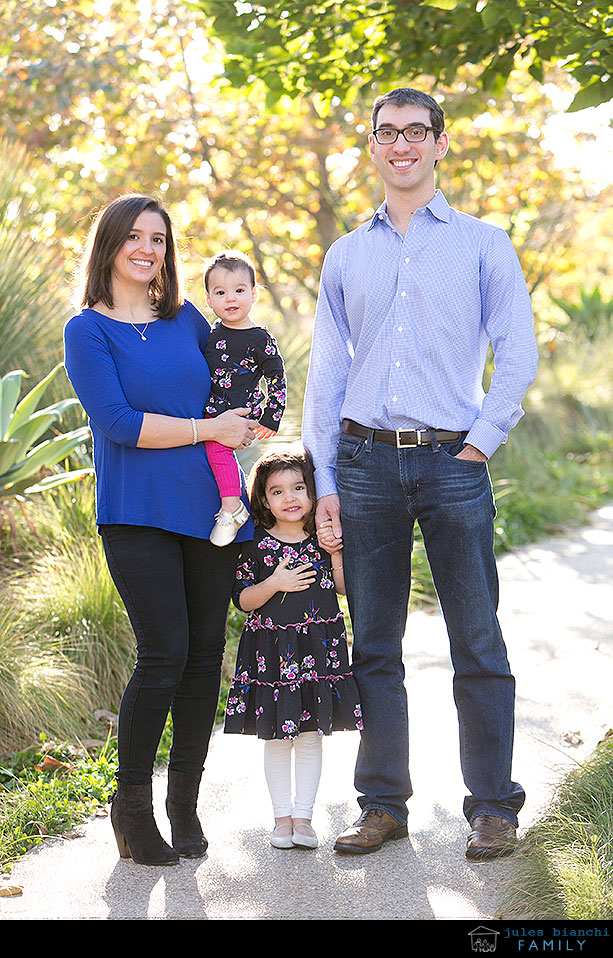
point(269, 465)
point(107, 235)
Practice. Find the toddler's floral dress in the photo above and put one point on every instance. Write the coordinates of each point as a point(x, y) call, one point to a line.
point(292, 670)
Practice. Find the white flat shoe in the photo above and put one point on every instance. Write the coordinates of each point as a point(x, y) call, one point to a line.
point(278, 840)
point(305, 838)
point(227, 525)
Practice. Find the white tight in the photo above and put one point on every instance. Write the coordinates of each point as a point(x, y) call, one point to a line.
point(307, 771)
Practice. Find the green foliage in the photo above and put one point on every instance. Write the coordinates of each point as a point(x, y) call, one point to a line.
point(563, 869)
point(69, 598)
point(22, 424)
point(335, 49)
point(35, 803)
point(66, 645)
point(141, 109)
point(40, 685)
point(590, 319)
point(557, 465)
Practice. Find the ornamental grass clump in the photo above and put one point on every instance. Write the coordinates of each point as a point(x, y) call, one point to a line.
point(40, 687)
point(70, 599)
point(564, 866)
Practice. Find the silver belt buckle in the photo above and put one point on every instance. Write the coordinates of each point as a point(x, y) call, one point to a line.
point(408, 445)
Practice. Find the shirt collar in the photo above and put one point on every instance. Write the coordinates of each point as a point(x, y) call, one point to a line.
point(438, 206)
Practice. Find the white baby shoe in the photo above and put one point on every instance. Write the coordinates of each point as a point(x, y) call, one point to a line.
point(227, 525)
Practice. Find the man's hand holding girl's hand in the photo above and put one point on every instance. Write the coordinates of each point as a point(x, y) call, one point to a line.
point(327, 538)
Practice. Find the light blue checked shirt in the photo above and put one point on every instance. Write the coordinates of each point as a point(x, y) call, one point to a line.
point(402, 330)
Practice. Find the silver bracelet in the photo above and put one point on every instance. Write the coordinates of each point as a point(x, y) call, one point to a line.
point(194, 431)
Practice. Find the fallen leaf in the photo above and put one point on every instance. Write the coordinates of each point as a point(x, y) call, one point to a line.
point(9, 891)
point(53, 765)
point(572, 738)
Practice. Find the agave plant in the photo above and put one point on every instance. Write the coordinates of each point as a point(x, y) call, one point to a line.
point(22, 424)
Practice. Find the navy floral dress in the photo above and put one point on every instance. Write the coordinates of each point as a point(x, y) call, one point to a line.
point(292, 671)
point(238, 359)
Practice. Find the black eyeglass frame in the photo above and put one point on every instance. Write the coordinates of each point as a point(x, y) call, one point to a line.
point(412, 126)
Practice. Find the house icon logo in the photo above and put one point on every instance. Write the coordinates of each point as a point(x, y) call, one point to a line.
point(483, 940)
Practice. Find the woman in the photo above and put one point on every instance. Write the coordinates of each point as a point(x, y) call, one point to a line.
point(135, 356)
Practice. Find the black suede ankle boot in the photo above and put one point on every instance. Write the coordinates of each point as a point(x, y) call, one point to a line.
point(135, 830)
point(187, 837)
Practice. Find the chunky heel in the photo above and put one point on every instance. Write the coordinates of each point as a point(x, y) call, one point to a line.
point(187, 837)
point(136, 833)
point(122, 845)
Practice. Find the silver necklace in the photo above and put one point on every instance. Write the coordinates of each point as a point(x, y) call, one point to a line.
point(141, 334)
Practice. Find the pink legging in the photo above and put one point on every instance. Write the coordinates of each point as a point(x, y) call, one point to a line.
point(224, 467)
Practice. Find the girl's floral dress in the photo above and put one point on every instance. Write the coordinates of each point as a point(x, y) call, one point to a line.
point(292, 670)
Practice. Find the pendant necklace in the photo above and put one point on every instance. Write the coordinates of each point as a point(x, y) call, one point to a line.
point(140, 333)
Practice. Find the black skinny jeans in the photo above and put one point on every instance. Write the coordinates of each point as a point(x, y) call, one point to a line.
point(176, 590)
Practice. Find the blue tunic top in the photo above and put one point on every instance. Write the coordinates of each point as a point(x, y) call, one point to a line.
point(118, 377)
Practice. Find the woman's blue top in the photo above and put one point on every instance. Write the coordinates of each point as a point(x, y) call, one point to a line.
point(118, 377)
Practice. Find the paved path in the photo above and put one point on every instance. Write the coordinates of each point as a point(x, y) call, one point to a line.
point(557, 616)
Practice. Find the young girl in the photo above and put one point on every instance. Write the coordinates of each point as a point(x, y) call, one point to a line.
point(293, 682)
point(239, 355)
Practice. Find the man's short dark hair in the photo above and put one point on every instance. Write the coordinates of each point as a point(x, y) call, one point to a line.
point(405, 96)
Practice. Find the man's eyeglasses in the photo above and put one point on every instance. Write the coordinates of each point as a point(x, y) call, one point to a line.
point(416, 133)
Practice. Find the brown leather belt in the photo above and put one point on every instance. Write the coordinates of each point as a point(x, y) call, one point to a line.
point(401, 438)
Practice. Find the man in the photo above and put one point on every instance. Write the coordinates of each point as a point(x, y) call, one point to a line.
point(400, 430)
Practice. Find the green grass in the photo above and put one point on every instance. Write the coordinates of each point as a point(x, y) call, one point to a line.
point(40, 687)
point(36, 803)
point(563, 869)
point(66, 645)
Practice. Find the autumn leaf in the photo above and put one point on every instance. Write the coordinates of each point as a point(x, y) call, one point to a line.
point(9, 891)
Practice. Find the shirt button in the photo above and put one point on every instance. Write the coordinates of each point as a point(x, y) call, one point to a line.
point(403, 293)
point(400, 329)
point(394, 398)
point(397, 364)
point(407, 259)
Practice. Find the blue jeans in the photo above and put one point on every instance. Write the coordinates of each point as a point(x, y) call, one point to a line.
point(383, 491)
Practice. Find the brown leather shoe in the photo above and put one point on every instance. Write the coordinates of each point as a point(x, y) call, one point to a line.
point(373, 827)
point(491, 837)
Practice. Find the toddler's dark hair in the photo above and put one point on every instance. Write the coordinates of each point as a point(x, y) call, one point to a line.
point(269, 465)
point(232, 260)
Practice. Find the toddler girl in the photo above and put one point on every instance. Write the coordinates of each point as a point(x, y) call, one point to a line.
point(293, 682)
point(239, 355)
